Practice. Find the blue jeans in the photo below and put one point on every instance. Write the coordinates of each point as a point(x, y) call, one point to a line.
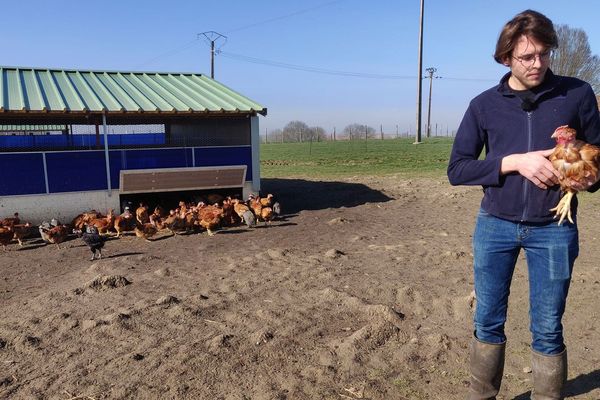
point(550, 250)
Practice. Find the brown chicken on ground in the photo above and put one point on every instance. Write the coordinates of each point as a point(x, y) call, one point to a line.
point(174, 223)
point(55, 234)
point(104, 224)
point(266, 201)
point(266, 215)
point(10, 221)
point(82, 219)
point(243, 211)
point(124, 222)
point(6, 236)
point(21, 231)
point(145, 231)
point(209, 217)
point(230, 216)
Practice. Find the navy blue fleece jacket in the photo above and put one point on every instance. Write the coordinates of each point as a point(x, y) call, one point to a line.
point(496, 121)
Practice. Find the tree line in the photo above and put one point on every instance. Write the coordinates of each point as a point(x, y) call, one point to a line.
point(299, 131)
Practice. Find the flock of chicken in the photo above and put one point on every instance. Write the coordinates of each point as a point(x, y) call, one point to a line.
point(94, 227)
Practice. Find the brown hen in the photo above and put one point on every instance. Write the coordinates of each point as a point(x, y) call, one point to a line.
point(54, 234)
point(21, 231)
point(209, 217)
point(104, 224)
point(145, 231)
point(578, 164)
point(6, 236)
point(11, 220)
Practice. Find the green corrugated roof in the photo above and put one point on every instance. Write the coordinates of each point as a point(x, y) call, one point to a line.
point(32, 128)
point(33, 90)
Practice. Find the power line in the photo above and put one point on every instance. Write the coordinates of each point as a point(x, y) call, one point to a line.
point(304, 68)
point(320, 70)
point(189, 44)
point(292, 14)
point(169, 53)
point(470, 79)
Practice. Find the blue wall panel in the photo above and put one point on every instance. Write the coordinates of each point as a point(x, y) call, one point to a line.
point(89, 141)
point(218, 156)
point(75, 171)
point(147, 159)
point(157, 158)
point(22, 173)
point(135, 139)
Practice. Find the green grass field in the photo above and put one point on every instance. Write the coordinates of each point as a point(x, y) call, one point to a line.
point(359, 157)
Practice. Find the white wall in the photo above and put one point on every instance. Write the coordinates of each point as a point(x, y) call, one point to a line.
point(62, 206)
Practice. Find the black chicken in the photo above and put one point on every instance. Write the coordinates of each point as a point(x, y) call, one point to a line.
point(95, 242)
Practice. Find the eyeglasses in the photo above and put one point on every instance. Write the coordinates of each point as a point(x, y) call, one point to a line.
point(528, 60)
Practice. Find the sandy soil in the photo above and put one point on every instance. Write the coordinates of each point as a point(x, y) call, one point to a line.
point(363, 291)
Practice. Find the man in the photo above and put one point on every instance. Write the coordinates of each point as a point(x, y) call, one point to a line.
point(514, 121)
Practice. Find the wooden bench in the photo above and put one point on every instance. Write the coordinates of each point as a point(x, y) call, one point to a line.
point(181, 179)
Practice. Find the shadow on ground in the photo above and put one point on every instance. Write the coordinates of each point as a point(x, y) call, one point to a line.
point(296, 195)
point(582, 384)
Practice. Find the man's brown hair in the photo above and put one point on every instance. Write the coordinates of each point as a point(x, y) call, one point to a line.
point(529, 23)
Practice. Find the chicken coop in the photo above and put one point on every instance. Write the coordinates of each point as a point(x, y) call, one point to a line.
point(73, 140)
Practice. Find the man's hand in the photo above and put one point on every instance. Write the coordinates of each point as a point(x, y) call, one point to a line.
point(534, 166)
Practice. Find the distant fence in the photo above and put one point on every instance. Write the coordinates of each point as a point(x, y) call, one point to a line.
point(277, 137)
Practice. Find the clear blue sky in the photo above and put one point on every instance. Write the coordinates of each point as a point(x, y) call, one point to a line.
point(377, 37)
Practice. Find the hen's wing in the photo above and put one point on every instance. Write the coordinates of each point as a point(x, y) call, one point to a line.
point(93, 240)
point(585, 166)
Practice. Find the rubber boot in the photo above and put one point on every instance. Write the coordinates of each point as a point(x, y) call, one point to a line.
point(487, 366)
point(549, 375)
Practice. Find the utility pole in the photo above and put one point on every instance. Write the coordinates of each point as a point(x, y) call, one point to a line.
point(211, 37)
point(419, 74)
point(431, 71)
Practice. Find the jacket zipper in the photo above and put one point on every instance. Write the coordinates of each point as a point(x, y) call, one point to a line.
point(525, 181)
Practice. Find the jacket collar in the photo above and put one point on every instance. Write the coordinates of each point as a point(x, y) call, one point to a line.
point(550, 82)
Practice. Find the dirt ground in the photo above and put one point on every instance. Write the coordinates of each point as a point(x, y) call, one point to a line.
point(362, 291)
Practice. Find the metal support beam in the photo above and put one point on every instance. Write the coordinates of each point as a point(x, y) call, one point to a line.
point(255, 144)
point(45, 172)
point(106, 158)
